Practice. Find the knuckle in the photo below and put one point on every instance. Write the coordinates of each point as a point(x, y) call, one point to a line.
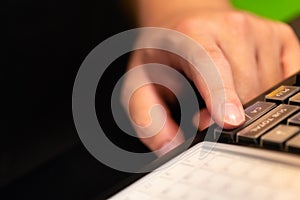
point(213, 51)
point(238, 19)
point(268, 32)
point(188, 25)
point(238, 23)
point(223, 89)
point(217, 56)
point(287, 30)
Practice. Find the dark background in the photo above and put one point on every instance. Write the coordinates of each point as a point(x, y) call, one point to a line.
point(41, 156)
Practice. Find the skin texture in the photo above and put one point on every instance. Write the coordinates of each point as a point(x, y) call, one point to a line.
point(250, 53)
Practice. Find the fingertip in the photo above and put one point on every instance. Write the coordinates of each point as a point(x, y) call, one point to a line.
point(233, 115)
point(228, 116)
point(170, 145)
point(169, 137)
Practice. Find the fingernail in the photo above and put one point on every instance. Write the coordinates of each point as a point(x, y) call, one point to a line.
point(233, 115)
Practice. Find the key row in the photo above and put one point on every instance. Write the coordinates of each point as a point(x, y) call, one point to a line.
point(273, 123)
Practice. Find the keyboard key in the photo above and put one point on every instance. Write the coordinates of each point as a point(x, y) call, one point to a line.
point(219, 163)
point(252, 113)
point(259, 173)
point(252, 133)
point(198, 194)
point(295, 100)
point(285, 177)
point(286, 195)
point(261, 192)
point(137, 195)
point(277, 137)
point(294, 120)
point(217, 182)
point(197, 177)
point(258, 109)
point(239, 168)
point(173, 172)
point(237, 188)
point(293, 145)
point(174, 191)
point(154, 186)
point(281, 94)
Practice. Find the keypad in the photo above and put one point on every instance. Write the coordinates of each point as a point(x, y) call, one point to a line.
point(273, 123)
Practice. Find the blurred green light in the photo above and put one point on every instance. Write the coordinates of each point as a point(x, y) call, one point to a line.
point(282, 10)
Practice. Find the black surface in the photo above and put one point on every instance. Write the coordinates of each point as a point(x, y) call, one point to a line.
point(72, 175)
point(41, 156)
point(295, 24)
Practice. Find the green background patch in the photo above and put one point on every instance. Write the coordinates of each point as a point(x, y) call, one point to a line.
point(283, 10)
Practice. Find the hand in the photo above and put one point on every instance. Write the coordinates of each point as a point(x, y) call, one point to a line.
point(250, 53)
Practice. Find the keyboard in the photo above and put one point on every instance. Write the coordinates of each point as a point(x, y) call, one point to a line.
point(259, 160)
point(272, 120)
point(220, 171)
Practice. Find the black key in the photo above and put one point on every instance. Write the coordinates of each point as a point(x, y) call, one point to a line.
point(281, 94)
point(295, 100)
point(293, 145)
point(252, 113)
point(276, 138)
point(258, 109)
point(294, 120)
point(252, 133)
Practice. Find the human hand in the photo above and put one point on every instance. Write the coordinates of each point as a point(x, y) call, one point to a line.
point(251, 54)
